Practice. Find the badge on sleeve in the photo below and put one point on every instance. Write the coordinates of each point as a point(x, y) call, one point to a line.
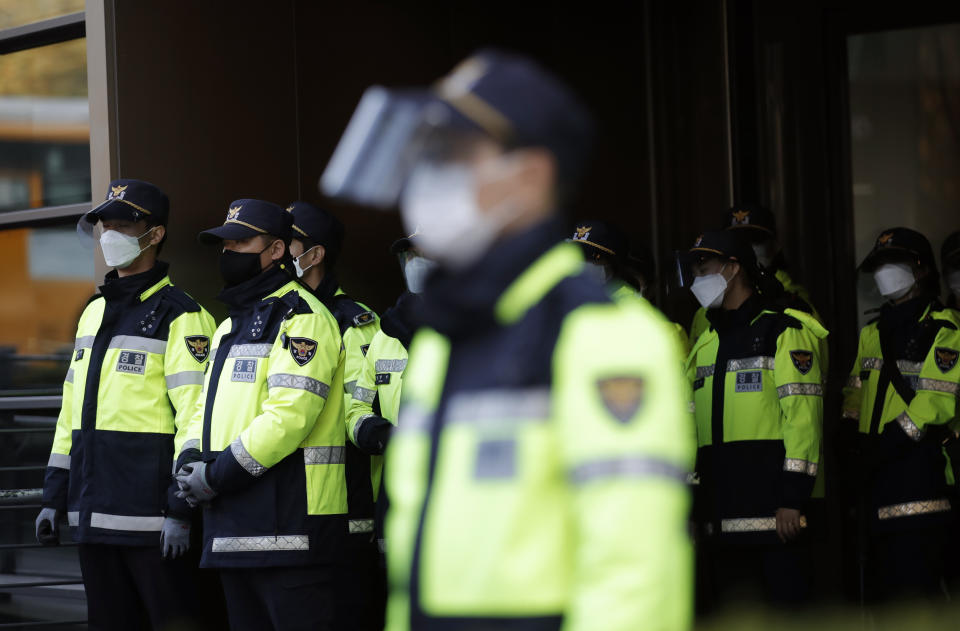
point(364, 349)
point(622, 396)
point(302, 349)
point(199, 346)
point(803, 360)
point(946, 358)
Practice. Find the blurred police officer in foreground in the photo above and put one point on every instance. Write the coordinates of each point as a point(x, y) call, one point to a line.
point(137, 369)
point(901, 394)
point(758, 226)
point(950, 260)
point(265, 449)
point(537, 473)
point(758, 403)
point(315, 247)
point(625, 273)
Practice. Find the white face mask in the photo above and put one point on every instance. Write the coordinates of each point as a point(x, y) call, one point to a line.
point(710, 289)
point(599, 272)
point(296, 264)
point(441, 201)
point(894, 280)
point(953, 282)
point(120, 250)
point(415, 272)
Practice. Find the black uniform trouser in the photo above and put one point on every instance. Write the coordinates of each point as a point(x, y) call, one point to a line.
point(362, 593)
point(908, 564)
point(133, 587)
point(778, 574)
point(280, 598)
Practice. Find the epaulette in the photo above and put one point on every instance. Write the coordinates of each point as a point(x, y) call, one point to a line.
point(91, 299)
point(180, 298)
point(349, 313)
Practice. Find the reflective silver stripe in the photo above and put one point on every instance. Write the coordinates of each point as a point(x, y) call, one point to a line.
point(356, 428)
point(871, 363)
point(213, 356)
point(84, 342)
point(59, 461)
point(69, 377)
point(691, 407)
point(938, 385)
point(350, 386)
point(280, 543)
point(185, 378)
point(627, 467)
point(854, 414)
point(704, 371)
point(754, 524)
point(906, 366)
point(413, 418)
point(137, 343)
point(793, 389)
point(490, 406)
point(909, 427)
point(908, 509)
point(364, 395)
point(796, 465)
point(250, 350)
point(246, 461)
point(193, 443)
point(126, 522)
point(854, 382)
point(761, 362)
point(336, 454)
point(298, 382)
point(390, 365)
point(357, 526)
point(73, 518)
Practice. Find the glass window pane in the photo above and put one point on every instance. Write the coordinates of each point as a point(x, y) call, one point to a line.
point(44, 127)
point(904, 90)
point(48, 278)
point(20, 12)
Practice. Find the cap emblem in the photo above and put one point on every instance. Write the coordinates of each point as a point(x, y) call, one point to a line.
point(582, 233)
point(290, 208)
point(741, 217)
point(885, 238)
point(233, 213)
point(117, 191)
point(699, 240)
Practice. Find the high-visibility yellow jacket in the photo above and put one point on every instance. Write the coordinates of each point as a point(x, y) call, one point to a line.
point(537, 473)
point(622, 291)
point(270, 424)
point(141, 349)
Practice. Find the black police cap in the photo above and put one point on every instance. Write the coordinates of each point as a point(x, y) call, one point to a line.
point(600, 240)
point(319, 227)
point(725, 244)
point(132, 200)
point(248, 218)
point(755, 219)
point(950, 252)
point(899, 244)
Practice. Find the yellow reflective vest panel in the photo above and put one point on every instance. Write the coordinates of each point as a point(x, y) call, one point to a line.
point(624, 292)
point(910, 487)
point(529, 459)
point(133, 382)
point(758, 407)
point(270, 424)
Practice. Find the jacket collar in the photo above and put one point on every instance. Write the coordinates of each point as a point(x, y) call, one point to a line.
point(328, 288)
point(744, 315)
point(248, 293)
point(136, 287)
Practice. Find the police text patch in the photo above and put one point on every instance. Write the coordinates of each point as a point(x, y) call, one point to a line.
point(382, 379)
point(749, 381)
point(302, 349)
point(946, 358)
point(199, 346)
point(244, 370)
point(803, 360)
point(132, 362)
point(79, 355)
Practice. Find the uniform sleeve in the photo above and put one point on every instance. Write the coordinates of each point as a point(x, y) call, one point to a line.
point(360, 405)
point(683, 339)
point(299, 377)
point(356, 342)
point(699, 325)
point(625, 440)
point(853, 388)
point(57, 477)
point(938, 387)
point(184, 364)
point(189, 449)
point(799, 382)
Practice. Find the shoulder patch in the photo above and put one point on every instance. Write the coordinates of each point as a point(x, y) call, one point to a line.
point(946, 358)
point(365, 318)
point(302, 349)
point(364, 349)
point(622, 396)
point(803, 360)
point(199, 346)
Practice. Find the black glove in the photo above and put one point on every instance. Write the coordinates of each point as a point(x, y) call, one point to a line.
point(48, 527)
point(373, 434)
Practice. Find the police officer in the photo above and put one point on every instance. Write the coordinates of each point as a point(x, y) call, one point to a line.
point(758, 403)
point(624, 272)
point(315, 248)
point(141, 349)
point(901, 393)
point(950, 260)
point(265, 448)
point(537, 473)
point(758, 225)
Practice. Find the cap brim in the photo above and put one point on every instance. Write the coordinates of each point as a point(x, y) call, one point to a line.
point(590, 246)
point(113, 209)
point(401, 245)
point(889, 254)
point(761, 229)
point(231, 231)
